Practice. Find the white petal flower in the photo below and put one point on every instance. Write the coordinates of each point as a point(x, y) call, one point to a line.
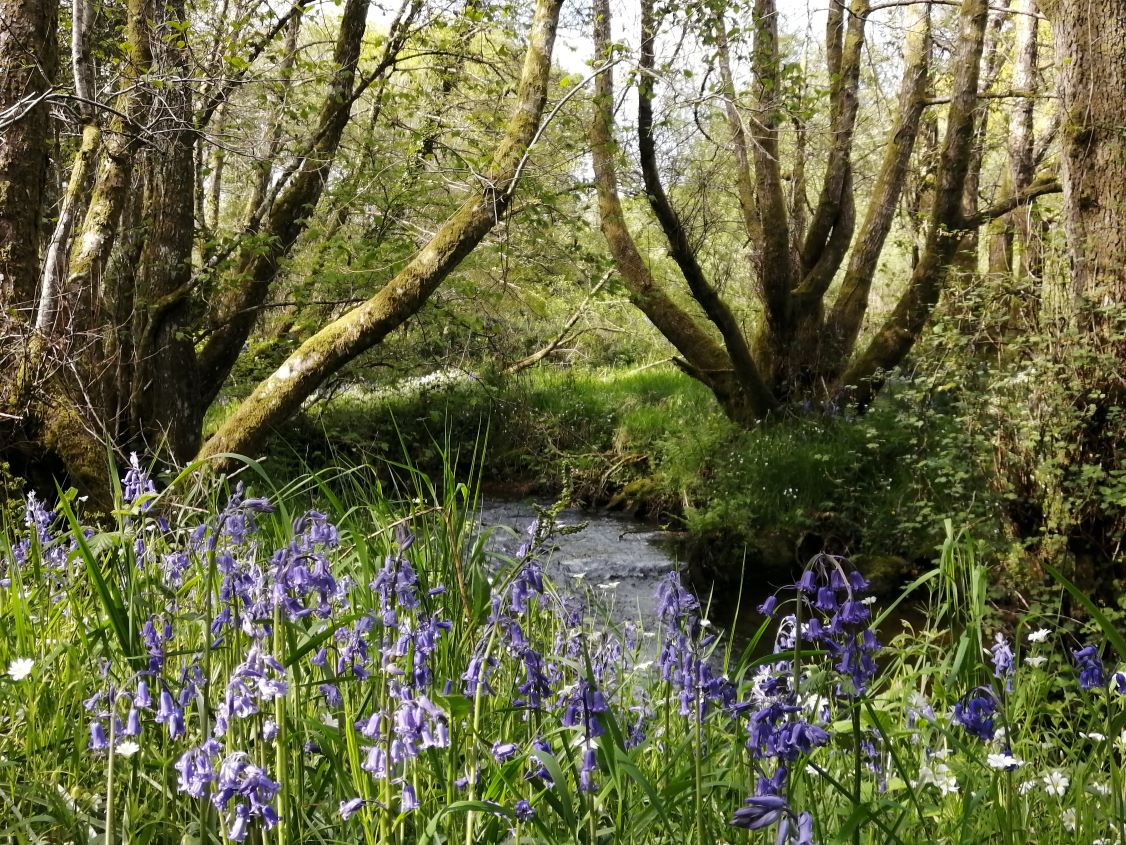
point(1068, 819)
point(939, 776)
point(127, 748)
point(609, 585)
point(1056, 783)
point(1037, 661)
point(20, 668)
point(1004, 762)
point(1094, 736)
point(1039, 635)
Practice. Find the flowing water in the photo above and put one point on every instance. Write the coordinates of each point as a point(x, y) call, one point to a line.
point(620, 561)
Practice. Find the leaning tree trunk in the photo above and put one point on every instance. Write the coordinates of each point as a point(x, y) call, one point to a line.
point(339, 342)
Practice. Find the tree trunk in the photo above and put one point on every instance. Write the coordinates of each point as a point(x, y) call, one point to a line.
point(895, 338)
point(336, 344)
point(27, 66)
point(1090, 42)
point(847, 315)
point(165, 416)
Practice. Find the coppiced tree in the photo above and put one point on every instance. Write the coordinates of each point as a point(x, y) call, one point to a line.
point(123, 323)
point(809, 266)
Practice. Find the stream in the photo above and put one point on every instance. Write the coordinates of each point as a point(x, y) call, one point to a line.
point(621, 560)
point(618, 559)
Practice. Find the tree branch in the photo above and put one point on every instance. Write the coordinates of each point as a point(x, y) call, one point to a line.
point(1039, 188)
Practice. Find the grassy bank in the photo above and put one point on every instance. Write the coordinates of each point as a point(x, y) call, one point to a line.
point(652, 442)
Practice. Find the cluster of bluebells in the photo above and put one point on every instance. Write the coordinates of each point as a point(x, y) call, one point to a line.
point(827, 613)
point(376, 670)
point(53, 549)
point(407, 635)
point(683, 658)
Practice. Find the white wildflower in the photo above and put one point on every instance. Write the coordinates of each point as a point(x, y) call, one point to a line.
point(1099, 788)
point(1006, 762)
point(609, 585)
point(20, 668)
point(939, 776)
point(1056, 783)
point(1036, 662)
point(1094, 736)
point(127, 748)
point(1068, 819)
point(1039, 635)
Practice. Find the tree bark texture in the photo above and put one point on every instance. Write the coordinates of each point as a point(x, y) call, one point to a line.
point(27, 71)
point(1090, 43)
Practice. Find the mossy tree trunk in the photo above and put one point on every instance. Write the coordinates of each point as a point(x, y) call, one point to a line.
point(1090, 46)
point(358, 330)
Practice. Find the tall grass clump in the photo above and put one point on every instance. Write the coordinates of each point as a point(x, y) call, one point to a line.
point(324, 663)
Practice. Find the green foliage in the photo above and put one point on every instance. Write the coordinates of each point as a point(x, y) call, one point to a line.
point(1021, 426)
point(653, 442)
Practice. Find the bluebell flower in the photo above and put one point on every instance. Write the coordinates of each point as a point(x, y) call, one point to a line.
point(1090, 664)
point(1002, 658)
point(142, 698)
point(759, 811)
point(805, 829)
point(350, 807)
point(503, 751)
point(539, 772)
point(768, 605)
point(171, 715)
point(137, 485)
point(976, 713)
point(584, 704)
point(674, 602)
point(196, 768)
point(98, 739)
point(588, 767)
point(408, 801)
point(524, 810)
point(476, 675)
